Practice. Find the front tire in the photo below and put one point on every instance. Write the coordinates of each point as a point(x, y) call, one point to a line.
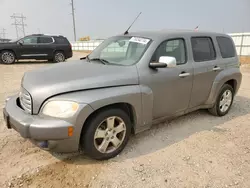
point(107, 134)
point(58, 57)
point(7, 57)
point(224, 101)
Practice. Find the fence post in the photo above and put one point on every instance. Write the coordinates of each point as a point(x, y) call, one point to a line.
point(241, 45)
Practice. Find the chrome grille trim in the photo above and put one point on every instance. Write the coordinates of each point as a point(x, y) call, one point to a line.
point(25, 100)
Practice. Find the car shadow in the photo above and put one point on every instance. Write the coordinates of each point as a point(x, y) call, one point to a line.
point(165, 134)
point(32, 62)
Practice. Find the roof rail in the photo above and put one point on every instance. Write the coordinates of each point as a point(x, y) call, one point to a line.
point(37, 34)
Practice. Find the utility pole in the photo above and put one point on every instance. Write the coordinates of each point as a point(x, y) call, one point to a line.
point(73, 16)
point(19, 24)
point(3, 33)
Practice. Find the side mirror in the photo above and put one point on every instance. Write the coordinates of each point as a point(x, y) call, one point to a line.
point(164, 61)
point(121, 43)
point(20, 42)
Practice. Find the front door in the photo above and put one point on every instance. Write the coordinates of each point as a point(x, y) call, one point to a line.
point(28, 49)
point(171, 86)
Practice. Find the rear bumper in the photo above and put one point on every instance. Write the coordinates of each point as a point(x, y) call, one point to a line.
point(69, 54)
point(47, 133)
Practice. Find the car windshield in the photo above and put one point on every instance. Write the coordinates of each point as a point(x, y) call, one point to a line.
point(120, 50)
point(15, 40)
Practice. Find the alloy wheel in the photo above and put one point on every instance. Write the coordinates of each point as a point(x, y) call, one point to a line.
point(110, 134)
point(225, 101)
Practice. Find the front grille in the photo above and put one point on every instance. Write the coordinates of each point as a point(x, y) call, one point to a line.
point(25, 101)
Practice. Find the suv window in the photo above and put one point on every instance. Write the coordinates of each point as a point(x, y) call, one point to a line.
point(174, 48)
point(61, 40)
point(226, 47)
point(29, 40)
point(45, 40)
point(203, 49)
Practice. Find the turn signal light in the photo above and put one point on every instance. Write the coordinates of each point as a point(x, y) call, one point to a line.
point(70, 131)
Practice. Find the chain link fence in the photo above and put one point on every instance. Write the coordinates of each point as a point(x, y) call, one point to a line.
point(242, 43)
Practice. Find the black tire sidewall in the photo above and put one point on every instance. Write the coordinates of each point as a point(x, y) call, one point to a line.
point(3, 61)
point(223, 89)
point(87, 140)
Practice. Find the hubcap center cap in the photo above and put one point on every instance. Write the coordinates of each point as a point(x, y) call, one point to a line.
point(109, 134)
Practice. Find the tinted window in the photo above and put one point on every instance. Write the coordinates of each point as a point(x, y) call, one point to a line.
point(61, 40)
point(226, 47)
point(45, 40)
point(29, 40)
point(203, 49)
point(173, 48)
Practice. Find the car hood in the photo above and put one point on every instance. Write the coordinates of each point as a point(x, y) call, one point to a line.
point(51, 80)
point(6, 43)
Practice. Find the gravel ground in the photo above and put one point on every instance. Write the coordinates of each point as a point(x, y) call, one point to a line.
point(195, 150)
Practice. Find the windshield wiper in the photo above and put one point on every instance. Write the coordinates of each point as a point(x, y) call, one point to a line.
point(103, 61)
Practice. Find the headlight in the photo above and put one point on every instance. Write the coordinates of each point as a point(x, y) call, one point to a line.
point(60, 109)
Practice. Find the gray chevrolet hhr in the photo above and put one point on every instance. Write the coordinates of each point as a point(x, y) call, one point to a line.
point(128, 83)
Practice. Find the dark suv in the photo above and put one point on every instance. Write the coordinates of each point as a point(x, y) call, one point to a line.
point(37, 46)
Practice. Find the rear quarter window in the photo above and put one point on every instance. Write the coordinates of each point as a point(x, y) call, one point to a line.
point(226, 46)
point(62, 40)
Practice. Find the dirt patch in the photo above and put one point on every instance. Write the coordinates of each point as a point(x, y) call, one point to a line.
point(69, 173)
point(245, 59)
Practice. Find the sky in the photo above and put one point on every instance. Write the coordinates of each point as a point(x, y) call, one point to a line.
point(104, 18)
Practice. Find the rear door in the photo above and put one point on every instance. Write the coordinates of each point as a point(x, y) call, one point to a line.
point(46, 46)
point(206, 68)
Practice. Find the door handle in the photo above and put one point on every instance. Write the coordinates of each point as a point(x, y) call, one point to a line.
point(184, 74)
point(216, 68)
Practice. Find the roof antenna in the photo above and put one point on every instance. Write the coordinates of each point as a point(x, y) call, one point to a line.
point(126, 32)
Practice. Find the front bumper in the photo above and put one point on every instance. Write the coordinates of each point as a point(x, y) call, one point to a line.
point(47, 133)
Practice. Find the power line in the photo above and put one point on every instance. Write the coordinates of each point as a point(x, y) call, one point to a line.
point(73, 17)
point(3, 33)
point(19, 24)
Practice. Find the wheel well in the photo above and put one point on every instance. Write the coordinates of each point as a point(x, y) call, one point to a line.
point(232, 83)
point(59, 51)
point(123, 106)
point(9, 51)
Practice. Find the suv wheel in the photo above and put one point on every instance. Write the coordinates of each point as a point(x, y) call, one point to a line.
point(7, 57)
point(224, 101)
point(58, 57)
point(107, 134)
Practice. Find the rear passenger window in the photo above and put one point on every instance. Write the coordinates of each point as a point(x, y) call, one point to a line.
point(45, 40)
point(203, 49)
point(226, 47)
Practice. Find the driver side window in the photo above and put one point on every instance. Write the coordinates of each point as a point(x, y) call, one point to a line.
point(173, 48)
point(30, 40)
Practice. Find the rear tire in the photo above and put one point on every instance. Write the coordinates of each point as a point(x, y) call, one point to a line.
point(223, 102)
point(58, 57)
point(106, 135)
point(7, 57)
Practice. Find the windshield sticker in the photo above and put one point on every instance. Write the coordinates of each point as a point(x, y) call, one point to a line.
point(139, 40)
